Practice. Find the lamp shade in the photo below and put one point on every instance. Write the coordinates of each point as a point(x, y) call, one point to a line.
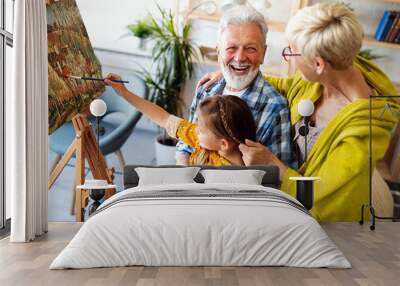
point(98, 107)
point(305, 107)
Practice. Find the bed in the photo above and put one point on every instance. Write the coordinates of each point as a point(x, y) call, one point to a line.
point(198, 224)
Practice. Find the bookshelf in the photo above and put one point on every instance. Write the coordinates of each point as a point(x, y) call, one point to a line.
point(370, 41)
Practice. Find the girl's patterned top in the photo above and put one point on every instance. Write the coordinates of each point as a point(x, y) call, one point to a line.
point(187, 132)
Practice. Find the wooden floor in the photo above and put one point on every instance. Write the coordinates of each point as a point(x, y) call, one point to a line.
point(375, 257)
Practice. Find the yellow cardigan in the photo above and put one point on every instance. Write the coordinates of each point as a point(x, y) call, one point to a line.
point(340, 155)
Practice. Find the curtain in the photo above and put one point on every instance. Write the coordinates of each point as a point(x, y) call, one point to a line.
point(27, 123)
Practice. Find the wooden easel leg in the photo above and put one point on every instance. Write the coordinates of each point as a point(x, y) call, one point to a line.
point(55, 162)
point(61, 164)
point(79, 177)
point(79, 211)
point(73, 199)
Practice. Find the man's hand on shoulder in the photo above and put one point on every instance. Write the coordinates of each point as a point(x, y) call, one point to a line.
point(209, 79)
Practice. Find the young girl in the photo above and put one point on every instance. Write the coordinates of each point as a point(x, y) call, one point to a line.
point(223, 123)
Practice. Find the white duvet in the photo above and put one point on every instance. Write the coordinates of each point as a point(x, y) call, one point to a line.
point(190, 231)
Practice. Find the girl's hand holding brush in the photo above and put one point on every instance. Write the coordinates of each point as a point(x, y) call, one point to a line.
point(113, 80)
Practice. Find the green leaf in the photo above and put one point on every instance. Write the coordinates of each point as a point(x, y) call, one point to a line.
point(369, 54)
point(142, 28)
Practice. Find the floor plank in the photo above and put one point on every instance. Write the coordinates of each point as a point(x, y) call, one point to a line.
point(375, 257)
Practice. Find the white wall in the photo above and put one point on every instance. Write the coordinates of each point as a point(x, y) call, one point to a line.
point(106, 20)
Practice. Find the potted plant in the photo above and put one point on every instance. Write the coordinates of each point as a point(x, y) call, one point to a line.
point(173, 54)
point(141, 29)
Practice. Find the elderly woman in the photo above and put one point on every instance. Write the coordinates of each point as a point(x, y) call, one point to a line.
point(324, 40)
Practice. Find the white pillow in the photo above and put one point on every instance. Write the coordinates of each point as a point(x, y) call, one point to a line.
point(164, 176)
point(248, 177)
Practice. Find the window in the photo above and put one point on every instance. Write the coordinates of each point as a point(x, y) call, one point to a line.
point(6, 44)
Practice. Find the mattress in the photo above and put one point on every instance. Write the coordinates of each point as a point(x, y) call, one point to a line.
point(201, 225)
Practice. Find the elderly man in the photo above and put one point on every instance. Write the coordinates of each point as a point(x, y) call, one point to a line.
point(241, 51)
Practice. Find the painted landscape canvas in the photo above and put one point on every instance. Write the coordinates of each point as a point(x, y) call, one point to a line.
point(69, 53)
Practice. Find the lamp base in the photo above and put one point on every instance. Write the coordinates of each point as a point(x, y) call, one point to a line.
point(96, 195)
point(305, 193)
point(100, 130)
point(305, 190)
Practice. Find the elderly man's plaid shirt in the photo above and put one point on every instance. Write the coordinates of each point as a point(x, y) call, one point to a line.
point(270, 111)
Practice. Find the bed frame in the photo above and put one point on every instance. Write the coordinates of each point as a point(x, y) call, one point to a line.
point(271, 177)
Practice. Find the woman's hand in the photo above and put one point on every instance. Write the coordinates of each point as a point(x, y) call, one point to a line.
point(117, 86)
point(255, 153)
point(209, 79)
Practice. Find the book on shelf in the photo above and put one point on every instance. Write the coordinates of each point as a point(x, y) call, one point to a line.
point(397, 36)
point(380, 31)
point(395, 27)
point(386, 26)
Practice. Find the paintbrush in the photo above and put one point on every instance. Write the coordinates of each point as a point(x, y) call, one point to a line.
point(86, 78)
point(95, 78)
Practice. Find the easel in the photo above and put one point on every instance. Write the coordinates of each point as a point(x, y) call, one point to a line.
point(84, 147)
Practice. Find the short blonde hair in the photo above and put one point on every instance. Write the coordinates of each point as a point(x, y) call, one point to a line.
point(328, 30)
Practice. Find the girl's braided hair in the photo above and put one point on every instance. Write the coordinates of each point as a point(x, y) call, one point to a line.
point(229, 117)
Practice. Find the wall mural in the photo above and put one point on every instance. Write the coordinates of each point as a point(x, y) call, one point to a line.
point(69, 54)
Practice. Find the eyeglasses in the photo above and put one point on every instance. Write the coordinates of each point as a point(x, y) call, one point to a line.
point(287, 53)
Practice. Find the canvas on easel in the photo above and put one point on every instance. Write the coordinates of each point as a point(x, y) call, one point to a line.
point(69, 52)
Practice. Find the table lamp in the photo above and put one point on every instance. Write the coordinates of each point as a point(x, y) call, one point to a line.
point(305, 109)
point(96, 190)
point(305, 185)
point(98, 108)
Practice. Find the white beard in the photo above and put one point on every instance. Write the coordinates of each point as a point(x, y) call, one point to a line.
point(238, 82)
